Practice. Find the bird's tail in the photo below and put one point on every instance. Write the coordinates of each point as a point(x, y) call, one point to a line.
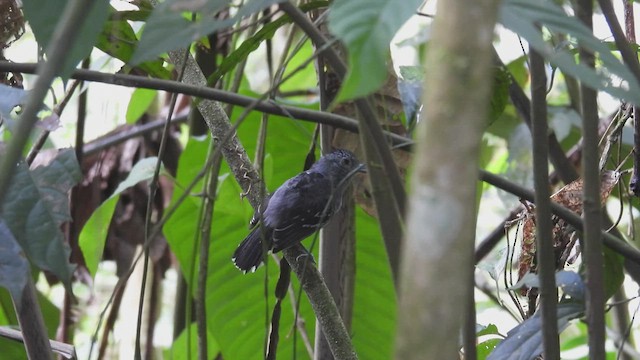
point(249, 254)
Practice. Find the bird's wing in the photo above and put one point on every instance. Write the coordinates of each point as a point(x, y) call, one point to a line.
point(297, 209)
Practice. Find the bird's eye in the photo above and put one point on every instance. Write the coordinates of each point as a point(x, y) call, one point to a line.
point(346, 162)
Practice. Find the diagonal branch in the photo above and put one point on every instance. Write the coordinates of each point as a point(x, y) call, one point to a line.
point(246, 175)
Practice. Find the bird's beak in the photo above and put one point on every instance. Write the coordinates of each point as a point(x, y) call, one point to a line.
point(362, 168)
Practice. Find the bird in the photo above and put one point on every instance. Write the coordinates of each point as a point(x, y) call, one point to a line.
point(299, 207)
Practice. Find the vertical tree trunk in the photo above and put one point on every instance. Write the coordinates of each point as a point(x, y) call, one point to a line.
point(438, 253)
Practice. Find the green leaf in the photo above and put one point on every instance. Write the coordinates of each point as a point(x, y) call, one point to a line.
point(14, 267)
point(519, 70)
point(167, 29)
point(43, 17)
point(118, 39)
point(140, 101)
point(366, 27)
point(500, 96)
point(251, 44)
point(521, 17)
point(187, 342)
point(490, 329)
point(247, 47)
point(375, 304)
point(36, 204)
point(236, 302)
point(486, 347)
point(94, 233)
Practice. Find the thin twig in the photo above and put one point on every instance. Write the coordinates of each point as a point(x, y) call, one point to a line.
point(592, 252)
point(544, 240)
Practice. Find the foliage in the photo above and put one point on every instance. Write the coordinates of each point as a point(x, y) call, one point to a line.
point(366, 28)
point(44, 15)
point(35, 206)
point(38, 234)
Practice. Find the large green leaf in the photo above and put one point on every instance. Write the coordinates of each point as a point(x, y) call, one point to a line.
point(236, 302)
point(374, 308)
point(522, 16)
point(366, 27)
point(43, 16)
point(167, 29)
point(36, 204)
point(94, 233)
point(187, 344)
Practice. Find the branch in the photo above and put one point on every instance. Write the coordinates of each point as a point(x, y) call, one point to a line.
point(29, 314)
point(247, 178)
point(438, 250)
point(322, 302)
point(268, 106)
point(614, 243)
point(60, 348)
point(591, 199)
point(544, 240)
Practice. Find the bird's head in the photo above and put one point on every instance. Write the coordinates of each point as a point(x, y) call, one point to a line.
point(341, 165)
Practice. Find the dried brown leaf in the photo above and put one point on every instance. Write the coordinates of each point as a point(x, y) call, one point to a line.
point(570, 196)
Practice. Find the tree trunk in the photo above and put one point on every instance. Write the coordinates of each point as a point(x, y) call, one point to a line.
point(437, 258)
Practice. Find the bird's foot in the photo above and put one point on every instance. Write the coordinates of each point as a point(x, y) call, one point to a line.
point(306, 256)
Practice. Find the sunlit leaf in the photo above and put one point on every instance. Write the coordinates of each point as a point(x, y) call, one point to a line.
point(140, 101)
point(366, 27)
point(490, 329)
point(94, 233)
point(485, 348)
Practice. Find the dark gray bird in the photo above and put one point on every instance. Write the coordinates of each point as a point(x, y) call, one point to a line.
point(298, 208)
